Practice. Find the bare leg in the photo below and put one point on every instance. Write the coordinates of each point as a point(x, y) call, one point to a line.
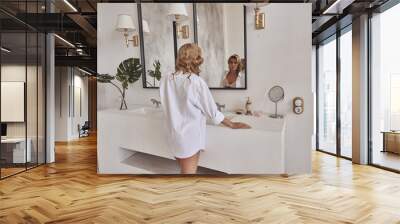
point(189, 165)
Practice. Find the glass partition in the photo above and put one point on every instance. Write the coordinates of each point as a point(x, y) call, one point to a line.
point(346, 75)
point(327, 96)
point(22, 78)
point(41, 97)
point(385, 89)
point(32, 98)
point(13, 95)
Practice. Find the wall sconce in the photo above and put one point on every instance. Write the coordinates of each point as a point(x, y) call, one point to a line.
point(125, 26)
point(183, 31)
point(177, 11)
point(259, 17)
point(146, 29)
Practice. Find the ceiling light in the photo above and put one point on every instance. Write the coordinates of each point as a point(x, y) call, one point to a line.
point(5, 50)
point(84, 71)
point(64, 40)
point(338, 6)
point(177, 11)
point(70, 5)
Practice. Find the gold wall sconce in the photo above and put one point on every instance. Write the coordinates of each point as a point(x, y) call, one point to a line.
point(178, 13)
point(125, 26)
point(259, 17)
point(183, 31)
point(134, 40)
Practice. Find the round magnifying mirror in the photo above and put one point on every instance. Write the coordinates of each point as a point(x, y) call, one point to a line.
point(276, 94)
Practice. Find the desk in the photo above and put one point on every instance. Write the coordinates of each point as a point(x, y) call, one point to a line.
point(391, 141)
point(13, 150)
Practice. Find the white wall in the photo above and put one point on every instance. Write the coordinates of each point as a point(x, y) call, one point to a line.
point(233, 29)
point(81, 108)
point(17, 73)
point(33, 126)
point(66, 121)
point(277, 55)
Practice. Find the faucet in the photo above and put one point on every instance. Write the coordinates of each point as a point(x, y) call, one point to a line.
point(220, 106)
point(156, 102)
point(248, 107)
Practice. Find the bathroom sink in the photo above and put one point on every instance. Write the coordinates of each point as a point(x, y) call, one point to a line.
point(147, 111)
point(228, 115)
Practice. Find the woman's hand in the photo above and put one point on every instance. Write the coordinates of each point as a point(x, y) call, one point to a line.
point(240, 125)
point(235, 125)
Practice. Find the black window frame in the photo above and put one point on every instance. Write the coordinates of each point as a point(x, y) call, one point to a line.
point(334, 37)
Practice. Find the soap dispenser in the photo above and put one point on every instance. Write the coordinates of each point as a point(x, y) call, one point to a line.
point(248, 107)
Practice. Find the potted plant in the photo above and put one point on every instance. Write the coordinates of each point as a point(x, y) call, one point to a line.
point(128, 72)
point(156, 73)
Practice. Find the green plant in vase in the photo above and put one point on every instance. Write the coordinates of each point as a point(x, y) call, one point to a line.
point(156, 73)
point(128, 72)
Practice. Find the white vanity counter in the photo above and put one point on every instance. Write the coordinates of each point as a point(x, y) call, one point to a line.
point(140, 133)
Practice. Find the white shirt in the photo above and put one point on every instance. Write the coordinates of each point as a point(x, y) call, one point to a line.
point(187, 102)
point(239, 83)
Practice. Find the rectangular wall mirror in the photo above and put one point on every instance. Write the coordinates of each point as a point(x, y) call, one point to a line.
point(219, 29)
point(161, 38)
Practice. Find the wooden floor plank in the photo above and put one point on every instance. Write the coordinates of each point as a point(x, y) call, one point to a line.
point(70, 191)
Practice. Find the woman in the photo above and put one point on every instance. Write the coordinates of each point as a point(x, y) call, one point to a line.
point(234, 78)
point(187, 101)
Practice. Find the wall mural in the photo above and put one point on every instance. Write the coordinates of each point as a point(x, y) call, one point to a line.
point(159, 41)
point(220, 33)
point(210, 27)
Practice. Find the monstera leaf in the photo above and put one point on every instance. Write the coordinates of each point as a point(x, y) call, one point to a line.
point(156, 73)
point(104, 78)
point(128, 72)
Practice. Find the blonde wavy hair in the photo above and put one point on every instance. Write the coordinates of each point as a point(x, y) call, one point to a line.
point(189, 59)
point(240, 65)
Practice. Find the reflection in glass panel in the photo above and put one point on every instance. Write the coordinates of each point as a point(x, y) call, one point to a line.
point(22, 90)
point(31, 97)
point(221, 35)
point(184, 37)
point(41, 79)
point(13, 86)
point(327, 97)
point(159, 41)
point(386, 89)
point(346, 93)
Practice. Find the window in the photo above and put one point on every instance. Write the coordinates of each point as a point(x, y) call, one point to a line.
point(385, 89)
point(327, 97)
point(346, 74)
point(335, 74)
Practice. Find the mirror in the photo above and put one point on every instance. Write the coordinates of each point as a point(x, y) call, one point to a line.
point(221, 30)
point(160, 44)
point(276, 94)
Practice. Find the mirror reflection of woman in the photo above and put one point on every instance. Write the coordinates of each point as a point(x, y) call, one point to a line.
point(187, 102)
point(234, 78)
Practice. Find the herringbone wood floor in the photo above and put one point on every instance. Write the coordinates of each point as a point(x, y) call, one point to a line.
point(70, 191)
